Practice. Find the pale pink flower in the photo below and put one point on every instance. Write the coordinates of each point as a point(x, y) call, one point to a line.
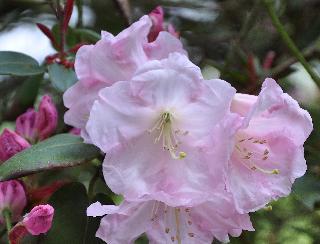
point(268, 154)
point(157, 16)
point(112, 59)
point(10, 144)
point(39, 219)
point(26, 125)
point(216, 219)
point(163, 131)
point(13, 198)
point(47, 118)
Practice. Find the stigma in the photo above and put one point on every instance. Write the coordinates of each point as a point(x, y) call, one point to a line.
point(164, 131)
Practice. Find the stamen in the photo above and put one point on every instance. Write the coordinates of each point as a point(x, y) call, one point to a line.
point(249, 156)
point(164, 130)
point(176, 213)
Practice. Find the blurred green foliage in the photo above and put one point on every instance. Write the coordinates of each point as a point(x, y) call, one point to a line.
point(234, 38)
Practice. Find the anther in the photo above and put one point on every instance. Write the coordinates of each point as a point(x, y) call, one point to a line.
point(167, 230)
point(172, 238)
point(191, 234)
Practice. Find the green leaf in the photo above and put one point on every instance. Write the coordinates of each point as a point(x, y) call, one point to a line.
point(14, 63)
point(307, 190)
point(64, 150)
point(61, 77)
point(88, 34)
point(70, 220)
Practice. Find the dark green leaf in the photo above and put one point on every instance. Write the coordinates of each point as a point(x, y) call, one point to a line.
point(64, 150)
point(88, 34)
point(307, 190)
point(61, 77)
point(14, 63)
point(69, 223)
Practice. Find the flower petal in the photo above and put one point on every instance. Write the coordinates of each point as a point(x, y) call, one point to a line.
point(114, 58)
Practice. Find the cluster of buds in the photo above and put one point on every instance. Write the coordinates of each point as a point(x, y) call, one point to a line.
point(31, 126)
point(39, 125)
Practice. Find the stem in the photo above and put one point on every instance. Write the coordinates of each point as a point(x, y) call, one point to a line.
point(288, 41)
point(80, 13)
point(92, 184)
point(7, 218)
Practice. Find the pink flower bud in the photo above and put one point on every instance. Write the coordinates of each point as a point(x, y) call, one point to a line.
point(26, 124)
point(75, 131)
point(158, 25)
point(10, 144)
point(39, 220)
point(12, 197)
point(47, 118)
point(156, 16)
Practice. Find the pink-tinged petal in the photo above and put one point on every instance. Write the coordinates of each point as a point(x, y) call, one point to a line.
point(114, 58)
point(214, 219)
point(172, 164)
point(129, 109)
point(97, 209)
point(212, 105)
point(79, 99)
point(243, 103)
point(219, 218)
point(277, 112)
point(268, 154)
point(39, 219)
point(125, 226)
point(13, 197)
point(26, 125)
point(116, 115)
point(10, 144)
point(252, 188)
point(163, 46)
point(140, 169)
point(47, 118)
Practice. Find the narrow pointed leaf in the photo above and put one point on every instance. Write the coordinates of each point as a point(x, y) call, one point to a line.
point(63, 150)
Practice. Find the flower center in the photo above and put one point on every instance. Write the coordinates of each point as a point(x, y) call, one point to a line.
point(163, 130)
point(248, 157)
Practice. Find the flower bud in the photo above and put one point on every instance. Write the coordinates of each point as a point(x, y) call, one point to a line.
point(26, 125)
point(39, 219)
point(75, 131)
point(47, 118)
point(10, 144)
point(13, 198)
point(158, 25)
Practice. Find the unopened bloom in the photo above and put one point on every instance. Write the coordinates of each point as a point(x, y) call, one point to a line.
point(155, 129)
point(26, 125)
point(12, 198)
point(158, 25)
point(216, 219)
point(112, 59)
point(10, 144)
point(268, 154)
point(39, 219)
point(47, 118)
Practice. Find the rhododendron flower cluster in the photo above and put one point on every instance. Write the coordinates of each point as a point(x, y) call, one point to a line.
point(191, 157)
